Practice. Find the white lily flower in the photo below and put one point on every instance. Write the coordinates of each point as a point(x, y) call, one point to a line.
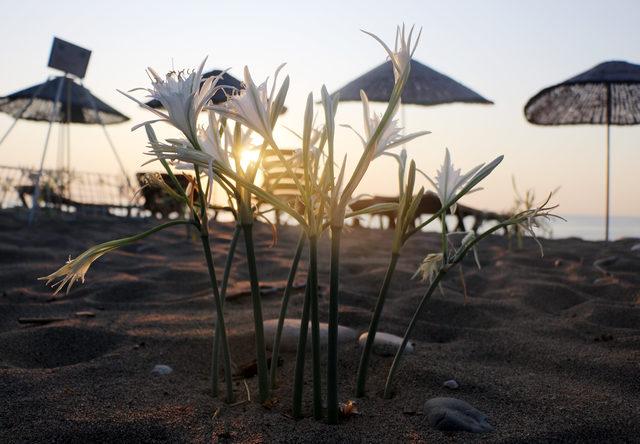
point(391, 135)
point(466, 240)
point(184, 156)
point(429, 267)
point(531, 222)
point(179, 152)
point(403, 50)
point(251, 106)
point(211, 143)
point(181, 96)
point(449, 181)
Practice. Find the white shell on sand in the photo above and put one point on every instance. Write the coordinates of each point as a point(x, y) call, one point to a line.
point(161, 369)
point(386, 344)
point(451, 384)
point(291, 331)
point(455, 415)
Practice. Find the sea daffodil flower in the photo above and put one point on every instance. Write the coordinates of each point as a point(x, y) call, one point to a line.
point(253, 106)
point(181, 95)
point(391, 135)
point(403, 51)
point(449, 180)
point(211, 142)
point(468, 239)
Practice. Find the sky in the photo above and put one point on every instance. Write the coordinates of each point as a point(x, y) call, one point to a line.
point(505, 50)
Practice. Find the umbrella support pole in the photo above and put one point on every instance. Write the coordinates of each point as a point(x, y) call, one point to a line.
point(36, 187)
point(608, 159)
point(606, 229)
point(22, 111)
point(111, 144)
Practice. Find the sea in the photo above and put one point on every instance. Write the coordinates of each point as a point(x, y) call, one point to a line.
point(587, 227)
point(593, 227)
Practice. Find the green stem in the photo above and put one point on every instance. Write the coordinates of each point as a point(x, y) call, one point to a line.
point(283, 308)
point(332, 346)
point(445, 246)
point(373, 327)
point(407, 334)
point(140, 236)
point(298, 376)
point(219, 310)
point(315, 326)
point(215, 362)
point(261, 355)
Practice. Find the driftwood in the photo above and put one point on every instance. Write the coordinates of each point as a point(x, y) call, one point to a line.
point(430, 204)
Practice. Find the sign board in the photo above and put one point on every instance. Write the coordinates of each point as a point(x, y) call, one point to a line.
point(69, 58)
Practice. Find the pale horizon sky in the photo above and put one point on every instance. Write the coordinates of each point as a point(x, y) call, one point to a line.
point(506, 51)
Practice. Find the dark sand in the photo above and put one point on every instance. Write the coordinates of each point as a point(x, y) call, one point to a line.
point(546, 353)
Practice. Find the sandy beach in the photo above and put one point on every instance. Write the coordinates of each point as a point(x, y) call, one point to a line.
point(548, 348)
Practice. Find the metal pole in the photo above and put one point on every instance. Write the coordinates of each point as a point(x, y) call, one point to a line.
point(68, 128)
point(606, 235)
point(23, 110)
point(36, 189)
point(106, 134)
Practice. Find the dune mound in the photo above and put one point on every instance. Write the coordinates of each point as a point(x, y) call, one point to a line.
point(616, 316)
point(52, 347)
point(551, 298)
point(101, 431)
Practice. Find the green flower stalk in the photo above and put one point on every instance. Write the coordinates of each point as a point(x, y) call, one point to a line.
point(381, 134)
point(526, 220)
point(405, 215)
point(283, 310)
point(298, 376)
point(215, 362)
point(455, 183)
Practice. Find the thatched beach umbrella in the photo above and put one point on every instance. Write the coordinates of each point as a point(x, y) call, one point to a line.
point(608, 94)
point(60, 100)
point(425, 86)
point(76, 104)
point(228, 83)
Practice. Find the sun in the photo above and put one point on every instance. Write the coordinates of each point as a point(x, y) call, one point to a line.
point(247, 156)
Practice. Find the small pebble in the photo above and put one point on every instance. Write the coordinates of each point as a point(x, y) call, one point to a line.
point(451, 384)
point(557, 263)
point(161, 369)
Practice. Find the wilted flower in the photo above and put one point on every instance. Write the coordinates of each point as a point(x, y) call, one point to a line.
point(429, 267)
point(181, 96)
point(251, 106)
point(75, 269)
point(403, 50)
point(449, 180)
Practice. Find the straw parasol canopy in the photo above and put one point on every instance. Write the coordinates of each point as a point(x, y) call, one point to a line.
point(228, 83)
point(75, 104)
point(607, 94)
point(425, 86)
